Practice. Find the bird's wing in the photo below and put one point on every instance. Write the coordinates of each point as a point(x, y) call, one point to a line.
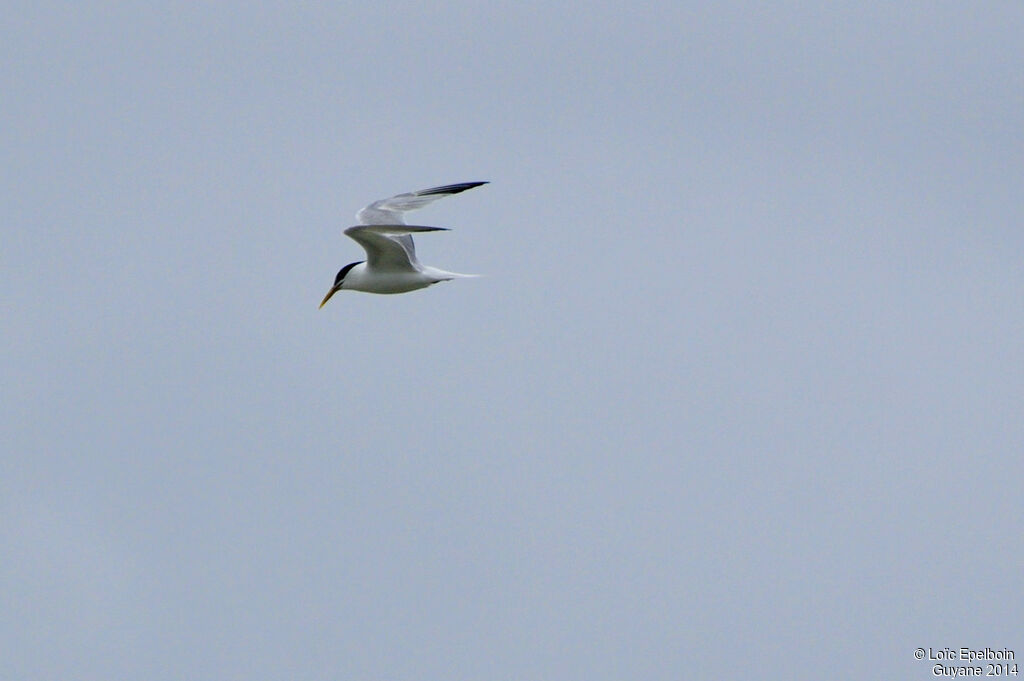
point(389, 211)
point(390, 247)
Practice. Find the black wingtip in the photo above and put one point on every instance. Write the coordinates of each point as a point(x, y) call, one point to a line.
point(451, 188)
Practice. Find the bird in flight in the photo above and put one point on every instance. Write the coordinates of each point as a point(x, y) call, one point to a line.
point(391, 265)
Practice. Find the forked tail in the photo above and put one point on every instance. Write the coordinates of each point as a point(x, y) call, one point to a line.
point(444, 275)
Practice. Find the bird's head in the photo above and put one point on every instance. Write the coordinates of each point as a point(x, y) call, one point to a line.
point(339, 281)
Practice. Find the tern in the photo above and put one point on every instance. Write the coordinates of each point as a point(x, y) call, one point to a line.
point(391, 265)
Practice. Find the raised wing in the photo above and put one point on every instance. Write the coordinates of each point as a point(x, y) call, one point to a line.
point(390, 211)
point(390, 247)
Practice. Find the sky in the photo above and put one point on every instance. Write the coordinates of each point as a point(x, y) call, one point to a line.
point(738, 394)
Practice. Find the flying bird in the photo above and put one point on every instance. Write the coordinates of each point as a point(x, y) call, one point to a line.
point(391, 265)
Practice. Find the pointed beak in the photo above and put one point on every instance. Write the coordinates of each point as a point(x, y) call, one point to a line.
point(334, 289)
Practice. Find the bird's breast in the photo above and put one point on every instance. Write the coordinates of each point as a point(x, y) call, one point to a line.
point(373, 281)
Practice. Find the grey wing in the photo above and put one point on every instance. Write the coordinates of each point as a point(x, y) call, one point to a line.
point(390, 211)
point(405, 241)
point(390, 247)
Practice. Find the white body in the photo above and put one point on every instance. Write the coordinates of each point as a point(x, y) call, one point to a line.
point(369, 280)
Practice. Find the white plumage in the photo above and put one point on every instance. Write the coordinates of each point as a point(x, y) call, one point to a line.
point(391, 265)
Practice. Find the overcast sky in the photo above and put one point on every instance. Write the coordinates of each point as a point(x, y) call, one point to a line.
point(740, 394)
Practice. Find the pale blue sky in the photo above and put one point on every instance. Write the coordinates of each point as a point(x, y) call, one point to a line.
point(739, 395)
